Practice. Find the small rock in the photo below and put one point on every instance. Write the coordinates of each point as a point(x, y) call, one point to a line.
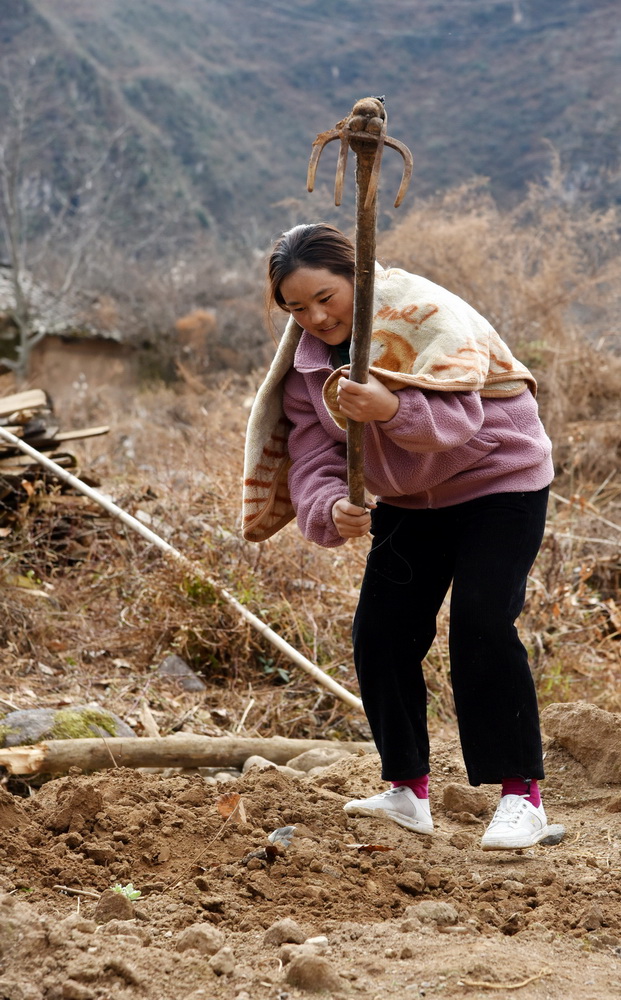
point(556, 833)
point(313, 973)
point(257, 761)
point(431, 911)
point(174, 666)
point(101, 854)
point(201, 937)
point(593, 918)
point(465, 799)
point(71, 990)
point(223, 962)
point(317, 758)
point(290, 951)
point(319, 943)
point(512, 924)
point(312, 946)
point(411, 882)
point(284, 930)
point(461, 840)
point(113, 906)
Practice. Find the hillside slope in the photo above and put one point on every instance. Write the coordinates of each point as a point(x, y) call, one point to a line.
point(223, 100)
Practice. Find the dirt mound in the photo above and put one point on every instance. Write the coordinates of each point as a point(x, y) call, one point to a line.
point(212, 883)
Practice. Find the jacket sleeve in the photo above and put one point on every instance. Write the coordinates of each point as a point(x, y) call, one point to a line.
point(433, 421)
point(318, 474)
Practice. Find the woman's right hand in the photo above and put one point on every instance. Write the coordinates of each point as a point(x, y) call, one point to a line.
point(351, 521)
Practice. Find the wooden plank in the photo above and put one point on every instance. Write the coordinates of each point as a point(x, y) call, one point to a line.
point(16, 464)
point(84, 433)
point(32, 399)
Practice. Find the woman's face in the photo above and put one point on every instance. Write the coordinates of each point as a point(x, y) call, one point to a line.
point(321, 302)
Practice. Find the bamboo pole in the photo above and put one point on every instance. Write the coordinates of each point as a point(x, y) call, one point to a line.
point(272, 637)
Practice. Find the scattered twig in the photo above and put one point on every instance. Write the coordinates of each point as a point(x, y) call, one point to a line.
point(149, 724)
point(240, 724)
point(9, 704)
point(588, 508)
point(107, 745)
point(78, 892)
point(507, 986)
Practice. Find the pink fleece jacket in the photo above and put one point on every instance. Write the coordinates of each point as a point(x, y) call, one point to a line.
point(440, 448)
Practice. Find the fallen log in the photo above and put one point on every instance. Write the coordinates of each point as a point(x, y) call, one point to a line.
point(179, 750)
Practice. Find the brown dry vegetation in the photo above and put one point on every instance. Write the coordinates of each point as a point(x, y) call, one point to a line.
point(106, 607)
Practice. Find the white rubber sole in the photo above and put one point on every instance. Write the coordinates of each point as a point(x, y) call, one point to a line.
point(395, 817)
point(515, 843)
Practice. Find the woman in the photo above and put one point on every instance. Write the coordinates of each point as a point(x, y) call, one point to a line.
point(459, 466)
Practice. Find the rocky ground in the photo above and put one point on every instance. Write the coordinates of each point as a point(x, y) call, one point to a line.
point(356, 907)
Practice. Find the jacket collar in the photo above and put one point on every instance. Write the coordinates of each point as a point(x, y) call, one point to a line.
point(311, 354)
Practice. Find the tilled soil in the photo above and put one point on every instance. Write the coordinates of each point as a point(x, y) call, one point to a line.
point(396, 914)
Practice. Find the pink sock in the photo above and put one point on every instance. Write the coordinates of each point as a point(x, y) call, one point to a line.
point(420, 786)
point(521, 786)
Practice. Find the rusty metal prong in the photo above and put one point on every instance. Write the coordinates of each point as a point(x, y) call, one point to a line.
point(340, 167)
point(408, 166)
point(322, 140)
point(375, 172)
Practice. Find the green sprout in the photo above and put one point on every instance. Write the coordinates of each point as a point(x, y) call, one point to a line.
point(127, 890)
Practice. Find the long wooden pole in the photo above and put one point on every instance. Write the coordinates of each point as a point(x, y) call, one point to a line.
point(366, 220)
point(272, 637)
point(179, 750)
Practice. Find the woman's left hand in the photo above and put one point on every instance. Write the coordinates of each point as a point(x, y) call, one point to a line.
point(366, 401)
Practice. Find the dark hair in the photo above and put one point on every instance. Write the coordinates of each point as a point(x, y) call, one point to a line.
point(317, 245)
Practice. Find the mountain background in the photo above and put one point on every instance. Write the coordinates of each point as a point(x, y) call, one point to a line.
point(203, 112)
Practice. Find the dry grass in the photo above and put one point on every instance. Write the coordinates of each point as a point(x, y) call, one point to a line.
point(547, 276)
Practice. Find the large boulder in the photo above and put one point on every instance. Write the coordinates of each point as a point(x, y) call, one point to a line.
point(591, 735)
point(31, 725)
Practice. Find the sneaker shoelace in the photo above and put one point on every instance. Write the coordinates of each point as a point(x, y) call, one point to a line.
point(509, 814)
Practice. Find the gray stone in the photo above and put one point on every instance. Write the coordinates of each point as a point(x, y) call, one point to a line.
point(313, 973)
point(201, 937)
point(317, 758)
point(556, 833)
point(223, 962)
point(31, 725)
point(432, 912)
point(113, 906)
point(465, 799)
point(174, 666)
point(284, 930)
point(263, 764)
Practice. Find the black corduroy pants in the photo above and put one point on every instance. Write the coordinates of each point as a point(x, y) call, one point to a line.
point(485, 549)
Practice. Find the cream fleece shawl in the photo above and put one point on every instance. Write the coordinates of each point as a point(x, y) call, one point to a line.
point(423, 336)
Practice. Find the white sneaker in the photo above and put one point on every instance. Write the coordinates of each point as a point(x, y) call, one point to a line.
point(516, 823)
point(398, 804)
